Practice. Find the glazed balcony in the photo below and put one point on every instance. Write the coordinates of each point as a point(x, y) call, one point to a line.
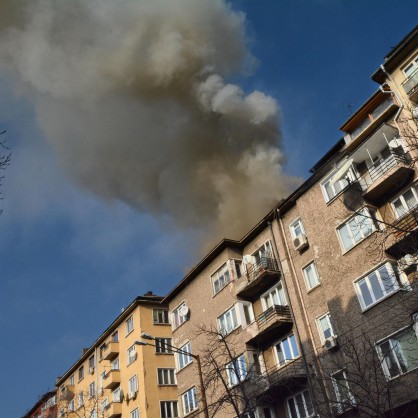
point(67, 393)
point(113, 410)
point(273, 322)
point(258, 277)
point(404, 237)
point(112, 379)
point(111, 351)
point(410, 85)
point(384, 176)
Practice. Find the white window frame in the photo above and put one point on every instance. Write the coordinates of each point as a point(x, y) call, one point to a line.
point(317, 279)
point(297, 405)
point(71, 405)
point(116, 395)
point(161, 345)
point(166, 376)
point(133, 384)
point(184, 360)
point(294, 356)
point(223, 276)
point(115, 337)
point(293, 226)
point(177, 318)
point(363, 215)
point(129, 323)
point(81, 373)
point(241, 307)
point(160, 316)
point(237, 370)
point(115, 364)
point(104, 404)
point(278, 289)
point(71, 381)
point(223, 319)
point(395, 285)
point(190, 401)
point(134, 413)
point(397, 351)
point(131, 354)
point(92, 389)
point(169, 410)
point(321, 331)
point(80, 399)
point(343, 404)
point(339, 186)
point(414, 63)
point(403, 201)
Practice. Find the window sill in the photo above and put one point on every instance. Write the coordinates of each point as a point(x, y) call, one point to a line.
point(313, 288)
point(179, 326)
point(170, 385)
point(164, 354)
point(188, 364)
point(191, 412)
point(128, 333)
point(402, 374)
point(219, 291)
point(278, 366)
point(161, 323)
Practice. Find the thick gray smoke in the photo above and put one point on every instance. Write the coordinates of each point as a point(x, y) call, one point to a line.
point(134, 98)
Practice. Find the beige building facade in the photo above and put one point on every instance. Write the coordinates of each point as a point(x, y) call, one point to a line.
point(314, 311)
point(116, 377)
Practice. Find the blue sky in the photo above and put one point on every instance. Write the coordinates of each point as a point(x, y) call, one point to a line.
point(71, 261)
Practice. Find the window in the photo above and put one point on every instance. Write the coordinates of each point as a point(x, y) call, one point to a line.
point(91, 362)
point(227, 322)
point(263, 252)
point(71, 382)
point(325, 327)
point(166, 377)
point(286, 350)
point(80, 399)
point(115, 336)
point(310, 273)
point(163, 346)
point(134, 413)
point(399, 353)
point(410, 69)
point(102, 379)
point(169, 409)
point(103, 405)
point(71, 405)
point(116, 395)
point(330, 190)
point(182, 358)
point(342, 391)
point(160, 316)
point(296, 228)
point(245, 313)
point(81, 373)
point(189, 401)
point(129, 325)
point(102, 350)
point(131, 354)
point(357, 228)
point(300, 405)
point(92, 389)
point(274, 296)
point(114, 365)
point(377, 285)
point(220, 278)
point(133, 384)
point(178, 316)
point(405, 202)
point(237, 371)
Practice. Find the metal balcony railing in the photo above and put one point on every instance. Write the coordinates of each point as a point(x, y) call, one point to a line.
point(406, 223)
point(411, 83)
point(265, 263)
point(272, 314)
point(281, 376)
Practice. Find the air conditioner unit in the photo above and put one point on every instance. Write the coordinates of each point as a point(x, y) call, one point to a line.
point(300, 242)
point(91, 370)
point(331, 343)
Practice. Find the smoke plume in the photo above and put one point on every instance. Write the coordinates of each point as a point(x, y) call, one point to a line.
point(134, 97)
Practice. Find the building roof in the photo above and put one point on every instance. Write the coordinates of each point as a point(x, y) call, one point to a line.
point(147, 299)
point(397, 54)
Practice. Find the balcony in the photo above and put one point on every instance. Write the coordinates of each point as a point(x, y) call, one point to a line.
point(385, 175)
point(112, 379)
point(111, 351)
point(410, 85)
point(270, 324)
point(284, 380)
point(258, 277)
point(404, 238)
point(67, 393)
point(113, 410)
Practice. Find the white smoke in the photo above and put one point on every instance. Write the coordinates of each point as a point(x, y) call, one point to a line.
point(132, 94)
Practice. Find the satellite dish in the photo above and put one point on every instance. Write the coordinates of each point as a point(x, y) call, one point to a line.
point(395, 143)
point(342, 171)
point(184, 310)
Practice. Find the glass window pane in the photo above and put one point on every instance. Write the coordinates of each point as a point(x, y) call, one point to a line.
point(346, 237)
point(294, 346)
point(365, 293)
point(389, 359)
point(375, 286)
point(292, 408)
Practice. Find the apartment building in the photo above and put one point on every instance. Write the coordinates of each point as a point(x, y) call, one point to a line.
point(116, 377)
point(45, 407)
point(314, 312)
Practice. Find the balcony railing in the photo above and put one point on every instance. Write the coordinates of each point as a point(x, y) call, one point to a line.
point(258, 276)
point(411, 83)
point(382, 166)
point(273, 314)
point(406, 223)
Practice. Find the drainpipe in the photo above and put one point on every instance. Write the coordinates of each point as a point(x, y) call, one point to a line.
point(307, 323)
point(304, 360)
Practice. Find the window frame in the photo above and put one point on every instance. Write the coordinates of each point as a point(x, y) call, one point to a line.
point(175, 313)
point(163, 348)
point(414, 63)
point(297, 404)
point(226, 272)
point(306, 278)
point(188, 359)
point(350, 173)
point(129, 324)
point(81, 373)
point(235, 366)
point(342, 404)
point(292, 228)
point(372, 217)
point(233, 316)
point(268, 293)
point(321, 331)
point(276, 351)
point(131, 358)
point(134, 413)
point(92, 389)
point(165, 315)
point(169, 404)
point(397, 284)
point(133, 386)
point(186, 404)
point(400, 197)
point(172, 380)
